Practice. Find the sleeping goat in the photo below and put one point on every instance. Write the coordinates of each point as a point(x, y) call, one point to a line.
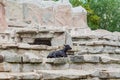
point(60, 53)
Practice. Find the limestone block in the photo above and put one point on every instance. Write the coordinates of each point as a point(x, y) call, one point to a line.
point(100, 33)
point(31, 76)
point(63, 15)
point(117, 51)
point(40, 12)
point(27, 76)
point(69, 74)
point(14, 11)
point(28, 67)
point(33, 47)
point(52, 47)
point(58, 40)
point(92, 59)
point(84, 36)
point(111, 43)
point(32, 13)
point(5, 67)
point(111, 37)
point(77, 59)
point(11, 57)
point(6, 76)
point(106, 59)
point(21, 75)
point(26, 32)
point(9, 45)
point(57, 60)
point(31, 58)
point(6, 45)
point(95, 49)
point(48, 16)
point(85, 59)
point(114, 74)
point(109, 49)
point(14, 67)
point(79, 18)
point(95, 43)
point(23, 45)
point(69, 39)
point(83, 51)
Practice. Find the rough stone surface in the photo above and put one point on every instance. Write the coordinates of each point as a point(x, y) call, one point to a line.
point(77, 59)
point(3, 23)
point(57, 60)
point(38, 27)
point(46, 13)
point(64, 74)
point(31, 58)
point(19, 76)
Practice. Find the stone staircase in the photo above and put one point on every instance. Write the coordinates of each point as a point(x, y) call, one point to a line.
point(91, 58)
point(48, 25)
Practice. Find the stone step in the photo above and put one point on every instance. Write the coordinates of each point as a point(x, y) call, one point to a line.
point(69, 74)
point(20, 76)
point(84, 59)
point(72, 74)
point(33, 58)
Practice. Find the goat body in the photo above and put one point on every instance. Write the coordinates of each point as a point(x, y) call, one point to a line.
point(57, 54)
point(60, 53)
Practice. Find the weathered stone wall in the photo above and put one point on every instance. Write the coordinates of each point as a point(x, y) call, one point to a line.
point(36, 30)
point(3, 23)
point(46, 13)
point(94, 57)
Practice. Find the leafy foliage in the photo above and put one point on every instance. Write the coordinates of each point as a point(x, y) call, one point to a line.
point(109, 11)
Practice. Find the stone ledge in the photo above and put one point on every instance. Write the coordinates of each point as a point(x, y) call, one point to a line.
point(69, 74)
point(84, 37)
point(19, 76)
point(31, 58)
point(27, 31)
point(98, 43)
point(108, 60)
point(93, 59)
point(13, 59)
point(4, 67)
point(85, 59)
point(29, 47)
point(57, 60)
point(35, 47)
point(112, 73)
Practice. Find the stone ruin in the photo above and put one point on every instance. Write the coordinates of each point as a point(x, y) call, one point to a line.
point(38, 27)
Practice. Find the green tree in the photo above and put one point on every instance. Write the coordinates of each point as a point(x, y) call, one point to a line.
point(109, 11)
